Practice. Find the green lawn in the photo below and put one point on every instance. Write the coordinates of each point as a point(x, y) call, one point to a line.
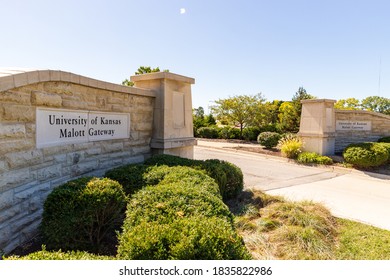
point(358, 241)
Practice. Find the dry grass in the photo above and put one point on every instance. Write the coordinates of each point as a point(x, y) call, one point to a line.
point(274, 228)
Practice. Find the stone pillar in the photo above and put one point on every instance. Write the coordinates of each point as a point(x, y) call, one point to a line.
point(172, 126)
point(317, 128)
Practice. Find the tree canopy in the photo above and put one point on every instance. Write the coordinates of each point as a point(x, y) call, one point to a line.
point(371, 103)
point(142, 70)
point(239, 111)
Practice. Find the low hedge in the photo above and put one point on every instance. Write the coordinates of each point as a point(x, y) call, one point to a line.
point(83, 214)
point(208, 132)
point(366, 154)
point(192, 238)
point(60, 255)
point(309, 157)
point(384, 139)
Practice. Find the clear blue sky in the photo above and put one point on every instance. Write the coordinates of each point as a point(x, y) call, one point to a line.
point(334, 48)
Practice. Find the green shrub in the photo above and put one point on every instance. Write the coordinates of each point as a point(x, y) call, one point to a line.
point(234, 177)
point(387, 147)
point(129, 176)
point(185, 175)
point(291, 146)
point(307, 157)
point(170, 160)
point(59, 255)
point(83, 214)
point(167, 202)
point(227, 175)
point(229, 133)
point(268, 139)
point(384, 139)
point(193, 238)
point(250, 133)
point(366, 154)
point(208, 132)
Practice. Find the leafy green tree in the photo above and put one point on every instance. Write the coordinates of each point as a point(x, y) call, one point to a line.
point(146, 69)
point(348, 104)
point(300, 95)
point(142, 70)
point(271, 112)
point(128, 83)
point(288, 116)
point(377, 104)
point(238, 111)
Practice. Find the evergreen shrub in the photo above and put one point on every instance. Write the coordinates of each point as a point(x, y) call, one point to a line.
point(192, 238)
point(366, 154)
point(208, 132)
point(60, 255)
point(250, 133)
point(83, 214)
point(228, 176)
point(129, 176)
point(268, 139)
point(308, 157)
point(384, 139)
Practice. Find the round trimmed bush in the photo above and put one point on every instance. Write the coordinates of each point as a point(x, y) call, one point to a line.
point(228, 176)
point(194, 238)
point(186, 176)
point(129, 176)
point(234, 177)
point(366, 154)
point(83, 214)
point(168, 202)
point(268, 139)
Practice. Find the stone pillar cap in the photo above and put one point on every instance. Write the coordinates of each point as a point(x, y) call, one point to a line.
point(317, 100)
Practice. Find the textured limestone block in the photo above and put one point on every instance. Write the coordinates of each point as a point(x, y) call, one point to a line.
point(19, 113)
point(45, 99)
point(22, 159)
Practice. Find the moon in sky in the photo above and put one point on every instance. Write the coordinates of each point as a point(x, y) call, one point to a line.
point(182, 11)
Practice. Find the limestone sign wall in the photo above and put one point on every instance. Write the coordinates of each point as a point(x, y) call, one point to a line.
point(56, 126)
point(359, 126)
point(328, 131)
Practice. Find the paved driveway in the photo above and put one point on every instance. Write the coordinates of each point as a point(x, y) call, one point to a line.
point(356, 196)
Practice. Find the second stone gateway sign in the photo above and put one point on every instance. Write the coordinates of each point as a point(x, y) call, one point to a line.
point(59, 127)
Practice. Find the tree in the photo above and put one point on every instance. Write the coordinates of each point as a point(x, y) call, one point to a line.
point(128, 83)
point(142, 70)
point(300, 95)
point(146, 69)
point(237, 111)
point(348, 104)
point(288, 117)
point(377, 104)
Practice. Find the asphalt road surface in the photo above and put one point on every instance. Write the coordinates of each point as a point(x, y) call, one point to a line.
point(355, 196)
